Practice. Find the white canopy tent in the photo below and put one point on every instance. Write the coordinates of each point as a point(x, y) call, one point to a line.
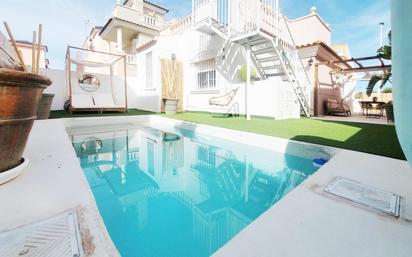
point(96, 80)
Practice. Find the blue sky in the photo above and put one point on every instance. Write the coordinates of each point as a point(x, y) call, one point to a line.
point(352, 21)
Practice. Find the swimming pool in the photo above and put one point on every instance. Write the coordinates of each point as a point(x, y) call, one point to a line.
point(173, 192)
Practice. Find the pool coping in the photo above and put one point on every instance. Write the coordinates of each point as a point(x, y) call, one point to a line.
point(395, 175)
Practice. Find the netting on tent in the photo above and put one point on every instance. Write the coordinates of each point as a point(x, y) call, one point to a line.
point(96, 80)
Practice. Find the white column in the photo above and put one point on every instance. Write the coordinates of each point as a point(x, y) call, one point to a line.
point(119, 39)
point(248, 66)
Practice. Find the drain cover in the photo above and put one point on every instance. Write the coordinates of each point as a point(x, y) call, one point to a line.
point(377, 199)
point(55, 237)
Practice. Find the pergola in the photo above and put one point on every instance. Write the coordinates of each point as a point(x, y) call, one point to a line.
point(368, 65)
point(362, 67)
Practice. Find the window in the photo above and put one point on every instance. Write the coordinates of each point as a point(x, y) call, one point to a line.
point(206, 76)
point(149, 70)
point(206, 79)
point(206, 156)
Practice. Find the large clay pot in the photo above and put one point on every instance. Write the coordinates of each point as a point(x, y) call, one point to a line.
point(43, 111)
point(171, 106)
point(20, 93)
point(402, 70)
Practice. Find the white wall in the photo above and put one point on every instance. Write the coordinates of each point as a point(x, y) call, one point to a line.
point(148, 98)
point(58, 88)
point(272, 98)
point(269, 98)
point(308, 30)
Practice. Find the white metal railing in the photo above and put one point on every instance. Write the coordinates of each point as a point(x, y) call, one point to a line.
point(218, 10)
point(269, 21)
point(250, 16)
point(245, 16)
point(287, 43)
point(240, 16)
point(137, 17)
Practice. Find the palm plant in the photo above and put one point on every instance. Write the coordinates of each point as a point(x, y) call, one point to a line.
point(384, 52)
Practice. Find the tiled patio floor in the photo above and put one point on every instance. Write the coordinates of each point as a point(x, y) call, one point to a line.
point(357, 118)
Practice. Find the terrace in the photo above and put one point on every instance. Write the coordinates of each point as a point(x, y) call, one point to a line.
point(308, 210)
point(133, 16)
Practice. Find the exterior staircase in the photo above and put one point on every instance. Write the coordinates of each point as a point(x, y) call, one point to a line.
point(273, 51)
point(272, 59)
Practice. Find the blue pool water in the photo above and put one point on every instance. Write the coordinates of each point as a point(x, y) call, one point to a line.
point(180, 194)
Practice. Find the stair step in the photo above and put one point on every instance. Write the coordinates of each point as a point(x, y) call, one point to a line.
point(275, 74)
point(247, 40)
point(272, 67)
point(263, 51)
point(258, 42)
point(268, 59)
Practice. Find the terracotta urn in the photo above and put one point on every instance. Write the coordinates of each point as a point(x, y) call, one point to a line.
point(20, 93)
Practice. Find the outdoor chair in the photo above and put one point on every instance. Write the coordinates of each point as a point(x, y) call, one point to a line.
point(226, 100)
point(365, 107)
point(334, 107)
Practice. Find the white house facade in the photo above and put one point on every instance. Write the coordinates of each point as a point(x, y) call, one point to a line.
point(219, 41)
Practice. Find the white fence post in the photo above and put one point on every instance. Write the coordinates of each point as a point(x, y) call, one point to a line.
point(248, 66)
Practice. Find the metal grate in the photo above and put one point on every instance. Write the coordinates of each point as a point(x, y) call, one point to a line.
point(377, 199)
point(58, 236)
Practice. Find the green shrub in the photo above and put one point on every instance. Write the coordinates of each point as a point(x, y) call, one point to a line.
point(243, 72)
point(387, 90)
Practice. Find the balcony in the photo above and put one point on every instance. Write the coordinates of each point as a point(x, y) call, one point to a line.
point(131, 15)
point(242, 17)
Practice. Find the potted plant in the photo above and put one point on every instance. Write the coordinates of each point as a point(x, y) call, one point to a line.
point(20, 92)
point(243, 73)
point(171, 105)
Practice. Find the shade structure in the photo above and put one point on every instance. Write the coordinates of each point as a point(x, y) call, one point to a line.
point(96, 81)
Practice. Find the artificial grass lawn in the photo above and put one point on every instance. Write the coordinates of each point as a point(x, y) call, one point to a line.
point(368, 138)
point(66, 114)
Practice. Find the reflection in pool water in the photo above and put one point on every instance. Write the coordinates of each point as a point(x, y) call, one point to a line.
point(163, 194)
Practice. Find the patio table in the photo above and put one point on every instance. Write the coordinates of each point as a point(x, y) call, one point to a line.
point(372, 109)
